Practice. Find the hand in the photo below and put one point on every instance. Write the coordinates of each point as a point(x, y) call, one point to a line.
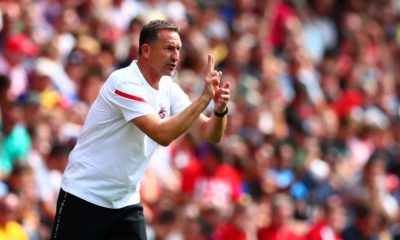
point(221, 98)
point(212, 78)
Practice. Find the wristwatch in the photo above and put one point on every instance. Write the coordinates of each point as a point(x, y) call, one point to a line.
point(221, 114)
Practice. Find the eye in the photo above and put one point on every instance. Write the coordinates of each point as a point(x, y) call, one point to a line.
point(173, 48)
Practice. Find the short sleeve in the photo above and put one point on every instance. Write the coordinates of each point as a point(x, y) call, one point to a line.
point(180, 100)
point(131, 99)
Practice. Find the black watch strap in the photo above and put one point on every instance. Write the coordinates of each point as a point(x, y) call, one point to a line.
point(221, 114)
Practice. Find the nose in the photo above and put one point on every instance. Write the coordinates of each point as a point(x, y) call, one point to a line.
point(175, 56)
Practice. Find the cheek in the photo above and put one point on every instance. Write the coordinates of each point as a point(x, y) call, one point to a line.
point(159, 59)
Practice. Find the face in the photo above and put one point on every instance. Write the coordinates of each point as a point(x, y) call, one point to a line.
point(164, 53)
point(9, 206)
point(11, 116)
point(281, 214)
point(337, 219)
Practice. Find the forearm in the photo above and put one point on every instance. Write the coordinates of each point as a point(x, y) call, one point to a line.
point(165, 131)
point(172, 128)
point(213, 128)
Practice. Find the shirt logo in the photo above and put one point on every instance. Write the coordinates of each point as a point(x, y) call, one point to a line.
point(162, 112)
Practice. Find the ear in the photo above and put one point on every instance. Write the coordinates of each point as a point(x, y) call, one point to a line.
point(145, 50)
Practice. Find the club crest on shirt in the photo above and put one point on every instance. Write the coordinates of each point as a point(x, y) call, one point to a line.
point(162, 112)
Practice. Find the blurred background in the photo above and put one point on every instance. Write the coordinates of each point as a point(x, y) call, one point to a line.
point(311, 150)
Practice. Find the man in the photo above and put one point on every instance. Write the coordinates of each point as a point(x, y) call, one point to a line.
point(17, 48)
point(10, 204)
point(365, 225)
point(14, 139)
point(138, 108)
point(210, 181)
point(332, 222)
point(281, 226)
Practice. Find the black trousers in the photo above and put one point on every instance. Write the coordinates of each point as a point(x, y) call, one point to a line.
point(77, 219)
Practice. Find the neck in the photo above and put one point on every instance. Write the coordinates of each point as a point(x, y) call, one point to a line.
point(152, 78)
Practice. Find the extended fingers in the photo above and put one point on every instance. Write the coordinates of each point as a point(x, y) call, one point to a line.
point(227, 85)
point(216, 78)
point(223, 94)
point(210, 64)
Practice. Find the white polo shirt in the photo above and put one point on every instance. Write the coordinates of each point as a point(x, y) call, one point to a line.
point(111, 154)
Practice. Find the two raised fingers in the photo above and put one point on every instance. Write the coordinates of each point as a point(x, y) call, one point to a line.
point(210, 64)
point(211, 72)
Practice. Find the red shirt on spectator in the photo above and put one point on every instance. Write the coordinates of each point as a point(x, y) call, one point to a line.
point(349, 99)
point(322, 231)
point(189, 175)
point(273, 233)
point(283, 12)
point(229, 232)
point(218, 188)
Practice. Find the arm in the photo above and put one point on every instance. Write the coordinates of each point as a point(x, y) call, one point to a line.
point(212, 129)
point(165, 131)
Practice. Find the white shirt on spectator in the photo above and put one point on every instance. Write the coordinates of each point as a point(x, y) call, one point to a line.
point(18, 77)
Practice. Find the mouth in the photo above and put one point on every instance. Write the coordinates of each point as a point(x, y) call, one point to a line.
point(172, 66)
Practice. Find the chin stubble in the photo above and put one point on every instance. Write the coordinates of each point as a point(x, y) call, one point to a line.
point(174, 74)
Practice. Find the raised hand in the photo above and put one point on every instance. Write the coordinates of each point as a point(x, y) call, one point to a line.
point(222, 96)
point(212, 78)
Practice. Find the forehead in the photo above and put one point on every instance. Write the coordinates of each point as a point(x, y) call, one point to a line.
point(169, 37)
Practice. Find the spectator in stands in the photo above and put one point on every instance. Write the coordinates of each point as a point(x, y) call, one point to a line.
point(331, 222)
point(215, 183)
point(371, 187)
point(365, 225)
point(15, 139)
point(281, 221)
point(17, 48)
point(9, 227)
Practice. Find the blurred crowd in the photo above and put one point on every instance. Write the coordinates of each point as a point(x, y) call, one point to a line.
point(312, 146)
